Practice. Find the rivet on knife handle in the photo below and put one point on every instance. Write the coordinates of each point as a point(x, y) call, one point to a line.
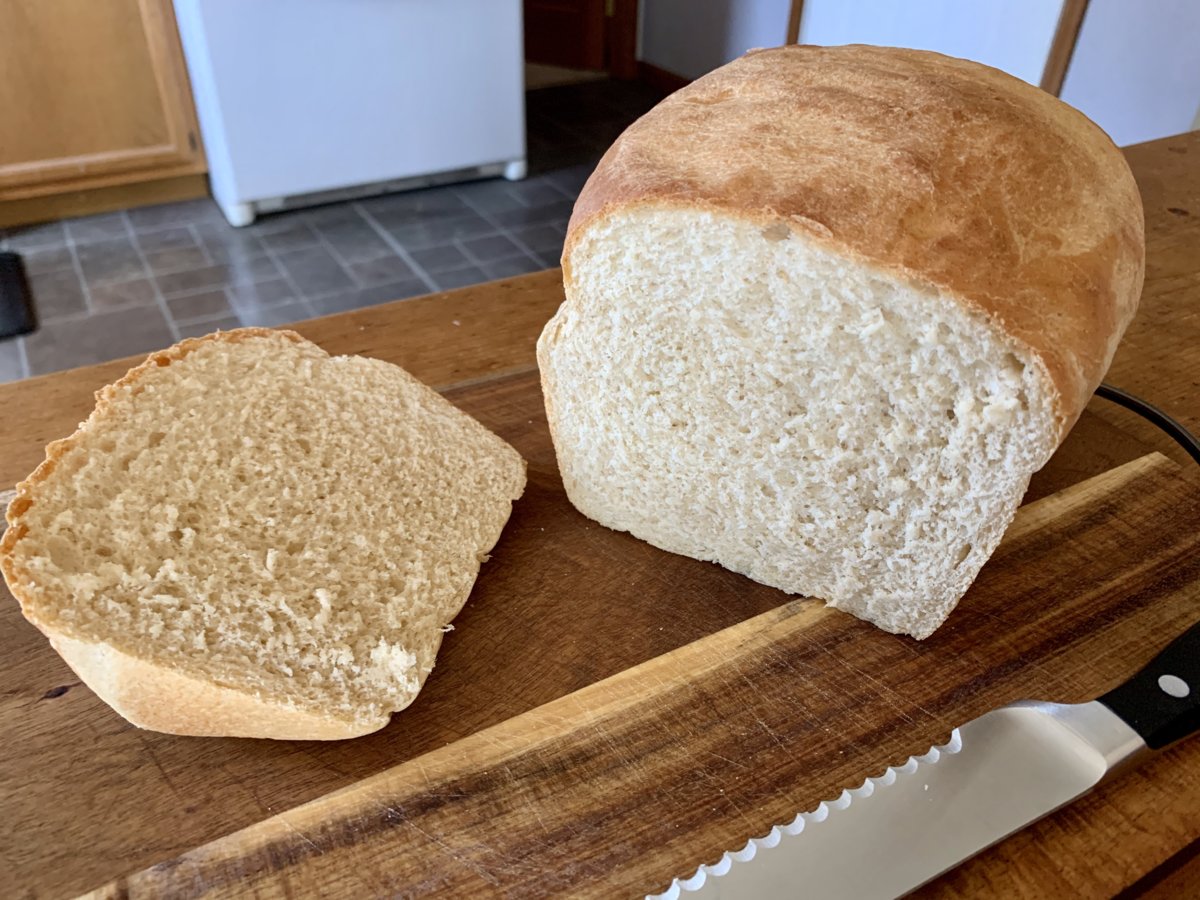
point(1162, 701)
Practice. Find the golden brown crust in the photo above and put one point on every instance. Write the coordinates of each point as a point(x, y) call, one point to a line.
point(165, 699)
point(940, 171)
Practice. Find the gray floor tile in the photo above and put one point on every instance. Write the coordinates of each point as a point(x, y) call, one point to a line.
point(413, 205)
point(56, 294)
point(293, 235)
point(236, 271)
point(439, 230)
point(535, 192)
point(490, 196)
point(115, 259)
point(510, 268)
point(260, 294)
point(250, 269)
point(190, 280)
point(274, 316)
point(200, 305)
point(91, 339)
point(47, 259)
point(315, 272)
point(11, 367)
point(167, 239)
point(385, 270)
point(572, 178)
point(29, 237)
point(121, 294)
point(354, 240)
point(166, 215)
point(542, 238)
point(208, 326)
point(98, 228)
point(490, 248)
point(242, 251)
point(457, 278)
point(334, 214)
point(439, 259)
point(549, 159)
point(176, 258)
point(372, 296)
point(222, 234)
point(556, 210)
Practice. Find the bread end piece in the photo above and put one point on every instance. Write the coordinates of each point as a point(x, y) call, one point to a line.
point(195, 602)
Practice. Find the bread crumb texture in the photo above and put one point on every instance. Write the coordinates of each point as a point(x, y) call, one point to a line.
point(819, 428)
point(249, 511)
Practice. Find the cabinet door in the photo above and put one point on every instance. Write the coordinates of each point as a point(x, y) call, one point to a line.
point(92, 93)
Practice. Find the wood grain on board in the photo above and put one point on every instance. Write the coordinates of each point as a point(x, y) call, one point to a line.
point(86, 798)
point(604, 791)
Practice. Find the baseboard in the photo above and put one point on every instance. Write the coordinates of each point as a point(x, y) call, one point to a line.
point(31, 210)
point(660, 79)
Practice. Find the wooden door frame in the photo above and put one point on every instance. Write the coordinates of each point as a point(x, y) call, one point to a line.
point(793, 28)
point(1062, 46)
point(621, 45)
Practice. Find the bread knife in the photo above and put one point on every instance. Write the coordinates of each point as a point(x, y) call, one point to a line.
point(996, 774)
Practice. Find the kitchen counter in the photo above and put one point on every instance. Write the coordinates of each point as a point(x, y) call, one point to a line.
point(514, 788)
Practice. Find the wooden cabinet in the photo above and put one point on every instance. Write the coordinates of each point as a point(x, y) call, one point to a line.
point(93, 94)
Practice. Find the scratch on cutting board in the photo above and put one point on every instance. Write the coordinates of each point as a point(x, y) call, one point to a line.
point(262, 807)
point(146, 745)
point(1009, 645)
point(883, 687)
point(446, 848)
point(732, 762)
point(754, 688)
point(296, 831)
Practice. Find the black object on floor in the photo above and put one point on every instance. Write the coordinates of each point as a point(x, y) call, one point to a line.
point(16, 303)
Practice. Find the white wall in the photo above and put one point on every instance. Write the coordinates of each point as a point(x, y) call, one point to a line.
point(1136, 68)
point(1013, 35)
point(691, 37)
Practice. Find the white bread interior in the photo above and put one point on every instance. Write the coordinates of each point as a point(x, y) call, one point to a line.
point(738, 393)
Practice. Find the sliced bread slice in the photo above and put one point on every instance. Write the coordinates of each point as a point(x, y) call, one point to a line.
point(250, 537)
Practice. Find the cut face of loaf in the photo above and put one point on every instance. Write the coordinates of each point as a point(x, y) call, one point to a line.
point(828, 308)
point(249, 537)
point(734, 393)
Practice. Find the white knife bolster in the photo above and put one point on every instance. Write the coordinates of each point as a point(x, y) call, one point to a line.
point(1099, 727)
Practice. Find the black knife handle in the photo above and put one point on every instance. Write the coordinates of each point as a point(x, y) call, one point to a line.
point(1162, 702)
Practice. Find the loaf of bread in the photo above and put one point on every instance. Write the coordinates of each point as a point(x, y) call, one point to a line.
point(827, 310)
point(249, 537)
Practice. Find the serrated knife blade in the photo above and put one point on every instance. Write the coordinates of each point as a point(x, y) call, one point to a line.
point(996, 774)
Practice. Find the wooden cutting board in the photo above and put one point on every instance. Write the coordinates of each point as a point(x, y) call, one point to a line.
point(604, 716)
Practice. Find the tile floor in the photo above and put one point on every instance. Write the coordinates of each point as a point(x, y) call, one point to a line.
point(132, 281)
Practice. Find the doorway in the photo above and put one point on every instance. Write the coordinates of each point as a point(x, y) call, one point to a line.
point(572, 41)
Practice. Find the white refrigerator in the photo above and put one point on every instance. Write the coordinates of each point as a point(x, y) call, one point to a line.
point(308, 101)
